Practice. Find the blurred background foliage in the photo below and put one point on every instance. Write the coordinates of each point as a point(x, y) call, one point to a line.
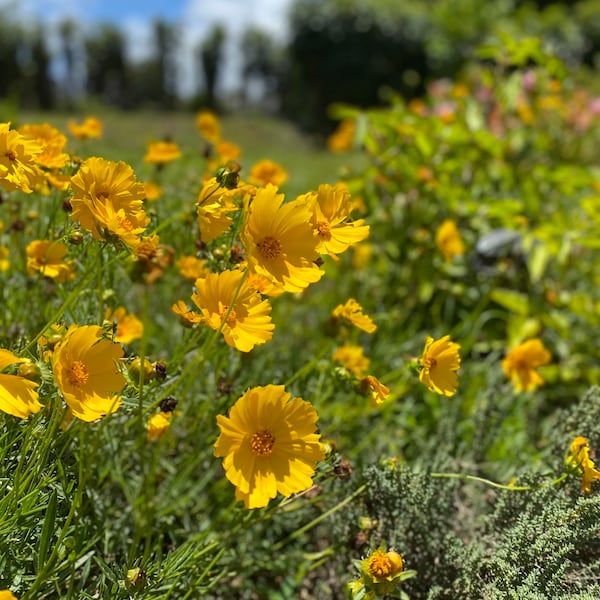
point(338, 50)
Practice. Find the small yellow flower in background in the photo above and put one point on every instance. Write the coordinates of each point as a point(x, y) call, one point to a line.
point(269, 444)
point(227, 151)
point(161, 153)
point(4, 261)
point(89, 128)
point(108, 200)
point(521, 362)
point(378, 392)
point(85, 366)
point(7, 595)
point(19, 168)
point(438, 363)
point(279, 240)
point(448, 240)
point(267, 171)
point(17, 394)
point(191, 267)
point(352, 312)
point(342, 139)
point(209, 126)
point(152, 190)
point(52, 142)
point(186, 315)
point(352, 358)
point(158, 425)
point(230, 305)
point(361, 255)
point(48, 258)
point(331, 206)
point(579, 463)
point(127, 326)
point(381, 567)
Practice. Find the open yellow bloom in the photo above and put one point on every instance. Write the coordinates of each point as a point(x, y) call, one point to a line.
point(51, 141)
point(152, 190)
point(521, 362)
point(191, 267)
point(162, 153)
point(228, 303)
point(209, 126)
point(352, 358)
point(127, 326)
point(331, 207)
point(279, 240)
point(580, 462)
point(269, 445)
point(89, 128)
point(48, 258)
point(186, 315)
point(214, 207)
point(352, 312)
point(439, 362)
point(227, 151)
point(17, 394)
point(267, 171)
point(108, 200)
point(448, 240)
point(19, 168)
point(85, 366)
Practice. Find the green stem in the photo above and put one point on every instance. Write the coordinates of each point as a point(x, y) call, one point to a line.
point(494, 484)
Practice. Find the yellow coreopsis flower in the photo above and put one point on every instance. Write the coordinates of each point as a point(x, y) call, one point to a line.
point(352, 358)
point(89, 128)
point(439, 362)
point(269, 444)
point(7, 595)
point(352, 312)
point(267, 171)
point(108, 200)
point(4, 260)
point(342, 139)
point(214, 207)
point(209, 126)
point(331, 208)
point(85, 366)
point(17, 394)
point(449, 241)
point(51, 141)
point(191, 267)
point(187, 316)
point(127, 327)
point(579, 461)
point(19, 168)
point(279, 240)
point(521, 362)
point(230, 305)
point(152, 190)
point(48, 258)
point(161, 153)
point(227, 151)
point(378, 392)
point(158, 425)
point(381, 570)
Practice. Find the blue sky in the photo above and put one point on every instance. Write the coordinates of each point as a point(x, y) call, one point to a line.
point(194, 17)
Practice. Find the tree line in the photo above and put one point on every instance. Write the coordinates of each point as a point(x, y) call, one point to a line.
point(338, 51)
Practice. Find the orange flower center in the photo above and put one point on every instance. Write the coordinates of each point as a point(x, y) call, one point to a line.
point(429, 362)
point(78, 374)
point(270, 248)
point(380, 565)
point(124, 223)
point(10, 155)
point(324, 230)
point(231, 317)
point(262, 442)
